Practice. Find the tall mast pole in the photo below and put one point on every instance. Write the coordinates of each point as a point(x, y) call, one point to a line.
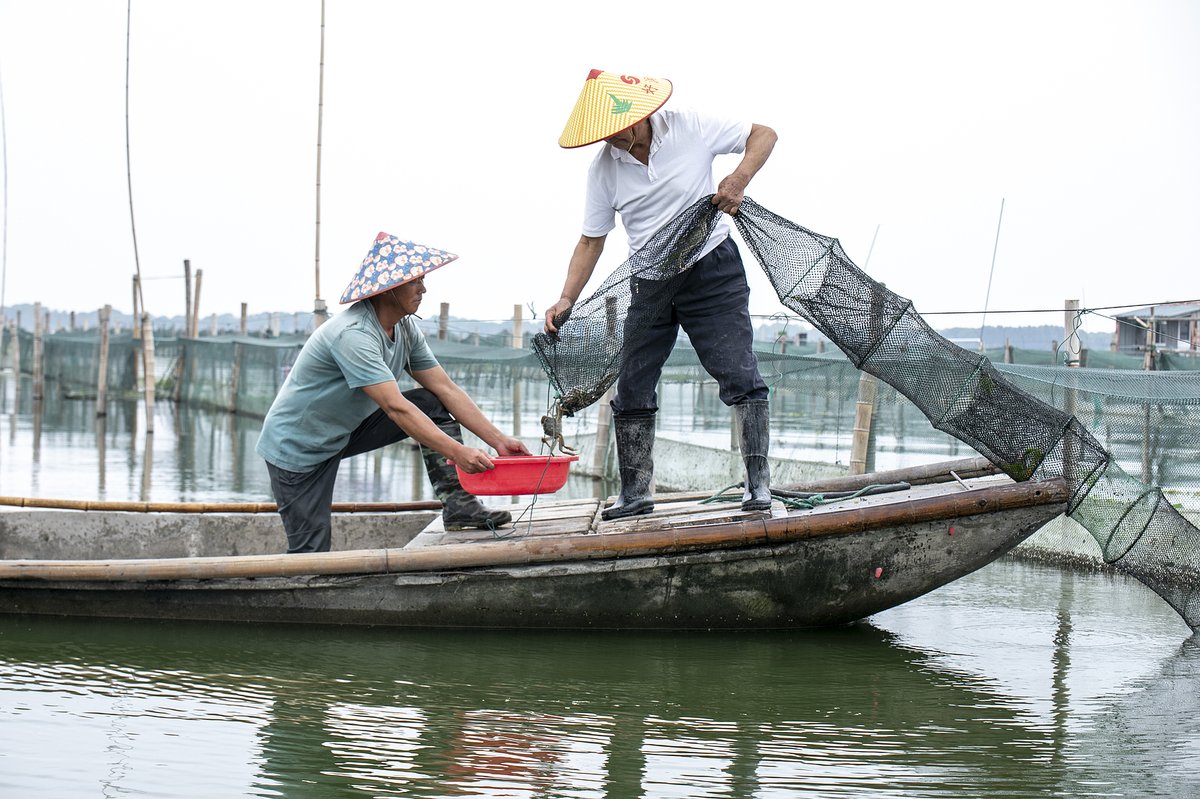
point(319, 311)
point(988, 295)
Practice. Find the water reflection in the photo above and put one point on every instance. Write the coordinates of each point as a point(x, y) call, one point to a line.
point(351, 712)
point(1047, 699)
point(1157, 727)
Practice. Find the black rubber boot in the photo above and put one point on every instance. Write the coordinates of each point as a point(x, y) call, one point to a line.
point(460, 509)
point(635, 461)
point(754, 436)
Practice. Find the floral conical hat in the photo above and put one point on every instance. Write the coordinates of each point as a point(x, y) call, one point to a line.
point(392, 262)
point(611, 103)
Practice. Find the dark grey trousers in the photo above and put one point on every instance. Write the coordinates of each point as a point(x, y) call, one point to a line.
point(305, 499)
point(711, 302)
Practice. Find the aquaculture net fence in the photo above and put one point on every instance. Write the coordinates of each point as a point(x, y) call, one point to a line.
point(961, 392)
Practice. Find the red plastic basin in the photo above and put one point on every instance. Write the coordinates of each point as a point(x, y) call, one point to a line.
point(519, 474)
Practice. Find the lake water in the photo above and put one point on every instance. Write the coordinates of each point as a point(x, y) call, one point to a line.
point(59, 448)
point(1016, 681)
point(1020, 680)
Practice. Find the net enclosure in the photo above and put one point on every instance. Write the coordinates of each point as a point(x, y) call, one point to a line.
point(961, 392)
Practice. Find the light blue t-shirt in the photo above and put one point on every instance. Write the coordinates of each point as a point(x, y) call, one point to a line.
point(320, 403)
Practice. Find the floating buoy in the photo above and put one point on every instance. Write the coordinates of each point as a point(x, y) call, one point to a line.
point(878, 572)
point(951, 529)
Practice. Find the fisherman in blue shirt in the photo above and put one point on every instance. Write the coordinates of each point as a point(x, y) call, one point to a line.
point(342, 398)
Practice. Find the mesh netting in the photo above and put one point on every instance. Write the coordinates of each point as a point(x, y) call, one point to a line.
point(960, 392)
point(584, 358)
point(238, 374)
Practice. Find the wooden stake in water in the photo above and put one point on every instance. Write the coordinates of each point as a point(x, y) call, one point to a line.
point(1071, 452)
point(604, 408)
point(102, 378)
point(187, 297)
point(864, 413)
point(518, 341)
point(235, 377)
point(38, 365)
point(195, 331)
point(148, 369)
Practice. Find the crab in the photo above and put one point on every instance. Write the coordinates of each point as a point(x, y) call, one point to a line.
point(552, 431)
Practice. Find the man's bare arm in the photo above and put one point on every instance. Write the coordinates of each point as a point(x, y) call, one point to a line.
point(732, 189)
point(579, 272)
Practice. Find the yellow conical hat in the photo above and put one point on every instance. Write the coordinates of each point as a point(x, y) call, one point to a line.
point(611, 103)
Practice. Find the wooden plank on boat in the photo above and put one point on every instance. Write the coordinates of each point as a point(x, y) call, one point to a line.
point(565, 517)
point(686, 514)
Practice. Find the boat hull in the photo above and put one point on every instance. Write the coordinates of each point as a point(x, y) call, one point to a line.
point(808, 582)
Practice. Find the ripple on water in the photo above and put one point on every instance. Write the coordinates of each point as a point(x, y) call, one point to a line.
point(948, 697)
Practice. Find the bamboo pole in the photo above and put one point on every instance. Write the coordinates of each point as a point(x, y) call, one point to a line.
point(177, 393)
point(604, 409)
point(206, 507)
point(147, 465)
point(15, 327)
point(38, 365)
point(242, 325)
point(1071, 344)
point(135, 331)
point(102, 376)
point(195, 331)
point(101, 451)
point(864, 412)
point(550, 549)
point(320, 313)
point(443, 321)
point(137, 308)
point(518, 341)
point(1148, 364)
point(187, 298)
point(148, 369)
point(235, 377)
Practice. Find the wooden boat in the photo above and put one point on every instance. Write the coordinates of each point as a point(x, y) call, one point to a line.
point(688, 565)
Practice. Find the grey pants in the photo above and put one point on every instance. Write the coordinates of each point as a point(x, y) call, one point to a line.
point(305, 499)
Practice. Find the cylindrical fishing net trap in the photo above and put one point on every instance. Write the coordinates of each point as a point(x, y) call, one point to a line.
point(962, 393)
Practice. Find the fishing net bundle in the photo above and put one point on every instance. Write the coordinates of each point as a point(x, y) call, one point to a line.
point(961, 393)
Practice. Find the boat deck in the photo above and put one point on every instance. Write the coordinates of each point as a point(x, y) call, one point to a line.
point(546, 518)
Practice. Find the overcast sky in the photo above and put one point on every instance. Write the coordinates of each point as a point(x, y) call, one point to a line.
point(441, 120)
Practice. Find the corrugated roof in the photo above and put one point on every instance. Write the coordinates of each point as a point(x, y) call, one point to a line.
point(1170, 311)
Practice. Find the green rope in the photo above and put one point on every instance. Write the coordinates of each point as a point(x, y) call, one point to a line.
point(801, 503)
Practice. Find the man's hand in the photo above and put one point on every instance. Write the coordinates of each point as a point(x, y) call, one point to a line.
point(473, 461)
point(730, 193)
point(511, 446)
point(558, 308)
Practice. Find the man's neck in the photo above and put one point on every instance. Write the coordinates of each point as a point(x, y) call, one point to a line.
point(387, 315)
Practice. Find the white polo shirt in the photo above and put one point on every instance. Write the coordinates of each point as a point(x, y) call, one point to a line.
point(683, 146)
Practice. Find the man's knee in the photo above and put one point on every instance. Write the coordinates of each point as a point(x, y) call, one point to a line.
point(428, 403)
